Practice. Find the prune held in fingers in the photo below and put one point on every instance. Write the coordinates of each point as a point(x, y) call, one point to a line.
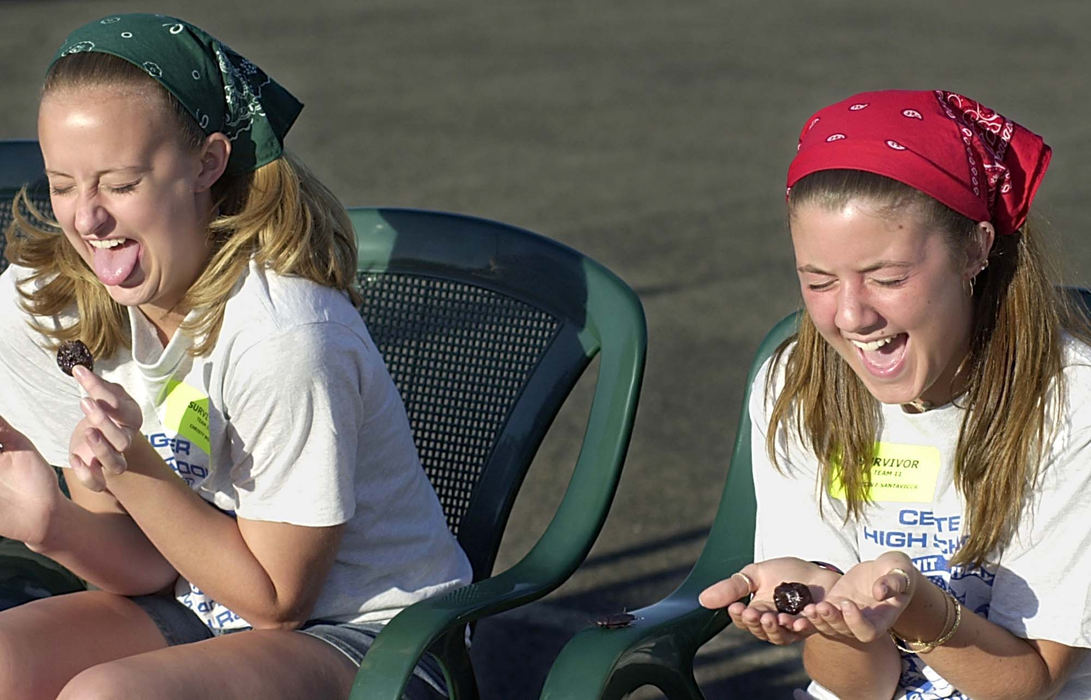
point(72, 353)
point(792, 597)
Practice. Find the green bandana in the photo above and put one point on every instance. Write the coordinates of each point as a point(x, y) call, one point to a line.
point(222, 90)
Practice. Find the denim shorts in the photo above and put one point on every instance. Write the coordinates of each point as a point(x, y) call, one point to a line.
point(180, 625)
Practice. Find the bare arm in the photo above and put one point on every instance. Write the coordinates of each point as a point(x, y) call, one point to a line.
point(97, 540)
point(984, 659)
point(981, 659)
point(269, 573)
point(90, 535)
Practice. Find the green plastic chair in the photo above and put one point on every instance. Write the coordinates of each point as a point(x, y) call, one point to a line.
point(659, 645)
point(486, 328)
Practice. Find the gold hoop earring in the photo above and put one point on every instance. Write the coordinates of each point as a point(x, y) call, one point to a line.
point(974, 278)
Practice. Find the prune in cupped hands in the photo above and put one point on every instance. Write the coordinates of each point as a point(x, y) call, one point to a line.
point(792, 597)
point(72, 353)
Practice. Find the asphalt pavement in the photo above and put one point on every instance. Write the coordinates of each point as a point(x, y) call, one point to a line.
point(654, 137)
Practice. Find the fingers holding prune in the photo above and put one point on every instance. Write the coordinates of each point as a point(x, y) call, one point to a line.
point(72, 353)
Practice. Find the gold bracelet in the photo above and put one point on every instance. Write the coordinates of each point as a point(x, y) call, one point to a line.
point(922, 647)
point(899, 640)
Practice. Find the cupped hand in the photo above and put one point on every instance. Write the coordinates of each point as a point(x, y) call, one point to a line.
point(760, 616)
point(29, 490)
point(111, 421)
point(866, 602)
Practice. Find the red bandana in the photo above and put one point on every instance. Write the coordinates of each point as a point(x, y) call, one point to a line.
point(977, 162)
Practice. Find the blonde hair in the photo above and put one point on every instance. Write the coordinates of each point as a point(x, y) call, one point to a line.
point(1013, 371)
point(279, 215)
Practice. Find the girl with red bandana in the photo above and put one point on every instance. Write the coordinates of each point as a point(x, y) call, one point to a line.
point(928, 430)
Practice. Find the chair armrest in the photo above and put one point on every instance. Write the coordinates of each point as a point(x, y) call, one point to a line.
point(561, 548)
point(389, 663)
point(657, 647)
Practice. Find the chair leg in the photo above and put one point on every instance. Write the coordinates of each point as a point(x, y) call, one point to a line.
point(461, 679)
point(686, 688)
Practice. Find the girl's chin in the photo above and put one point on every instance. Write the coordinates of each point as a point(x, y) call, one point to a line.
point(127, 297)
point(890, 393)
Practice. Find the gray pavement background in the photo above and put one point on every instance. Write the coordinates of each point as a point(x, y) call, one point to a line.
point(654, 137)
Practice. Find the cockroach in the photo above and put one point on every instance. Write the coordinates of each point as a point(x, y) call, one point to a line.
point(615, 620)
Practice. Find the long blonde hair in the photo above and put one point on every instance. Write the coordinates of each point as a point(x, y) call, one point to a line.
point(279, 215)
point(1013, 371)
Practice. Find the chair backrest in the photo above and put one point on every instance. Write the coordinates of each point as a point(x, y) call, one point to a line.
point(486, 328)
point(20, 164)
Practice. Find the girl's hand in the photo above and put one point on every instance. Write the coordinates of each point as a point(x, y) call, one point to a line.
point(29, 490)
point(866, 602)
point(111, 419)
point(760, 617)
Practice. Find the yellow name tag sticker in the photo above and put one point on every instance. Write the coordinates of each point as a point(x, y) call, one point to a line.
point(186, 413)
point(899, 474)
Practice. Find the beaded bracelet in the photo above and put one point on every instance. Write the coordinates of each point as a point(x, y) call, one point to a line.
point(922, 647)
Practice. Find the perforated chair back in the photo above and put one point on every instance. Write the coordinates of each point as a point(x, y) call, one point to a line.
point(460, 355)
point(485, 329)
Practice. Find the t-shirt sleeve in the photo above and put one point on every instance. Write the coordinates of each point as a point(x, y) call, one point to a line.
point(789, 521)
point(295, 411)
point(1041, 588)
point(36, 398)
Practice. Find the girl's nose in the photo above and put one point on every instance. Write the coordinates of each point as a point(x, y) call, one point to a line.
point(855, 314)
point(90, 216)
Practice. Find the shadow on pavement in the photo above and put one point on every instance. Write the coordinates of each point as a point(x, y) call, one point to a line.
point(513, 652)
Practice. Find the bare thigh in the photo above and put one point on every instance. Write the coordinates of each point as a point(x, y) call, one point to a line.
point(44, 643)
point(245, 665)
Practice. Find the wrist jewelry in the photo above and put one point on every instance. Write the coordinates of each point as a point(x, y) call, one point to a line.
point(922, 647)
point(827, 566)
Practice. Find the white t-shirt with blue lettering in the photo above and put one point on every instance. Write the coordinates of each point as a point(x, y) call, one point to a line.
point(1039, 587)
point(292, 418)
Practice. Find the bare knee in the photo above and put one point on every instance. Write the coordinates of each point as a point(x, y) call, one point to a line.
point(113, 680)
point(45, 643)
point(24, 671)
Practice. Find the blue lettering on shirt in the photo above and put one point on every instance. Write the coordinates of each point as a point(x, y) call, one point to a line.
point(172, 448)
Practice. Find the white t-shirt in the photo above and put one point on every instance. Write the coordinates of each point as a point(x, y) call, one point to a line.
point(291, 418)
point(1040, 587)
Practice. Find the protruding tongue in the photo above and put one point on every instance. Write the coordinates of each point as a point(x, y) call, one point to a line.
point(114, 265)
point(887, 356)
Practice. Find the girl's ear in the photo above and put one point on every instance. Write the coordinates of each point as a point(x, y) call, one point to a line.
point(977, 253)
point(214, 155)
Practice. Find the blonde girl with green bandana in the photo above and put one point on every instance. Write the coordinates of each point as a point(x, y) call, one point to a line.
point(246, 499)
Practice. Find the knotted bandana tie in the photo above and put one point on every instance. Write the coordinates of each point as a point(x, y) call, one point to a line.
point(223, 91)
point(977, 162)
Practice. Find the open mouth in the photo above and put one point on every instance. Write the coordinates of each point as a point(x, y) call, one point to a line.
point(115, 259)
point(106, 244)
point(872, 345)
point(882, 356)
